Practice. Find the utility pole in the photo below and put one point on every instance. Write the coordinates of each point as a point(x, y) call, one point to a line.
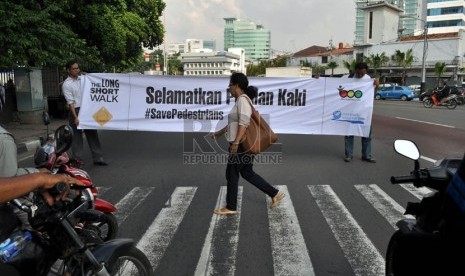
point(165, 61)
point(423, 68)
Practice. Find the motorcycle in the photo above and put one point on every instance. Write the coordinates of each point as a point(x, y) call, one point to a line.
point(450, 102)
point(422, 245)
point(45, 157)
point(57, 237)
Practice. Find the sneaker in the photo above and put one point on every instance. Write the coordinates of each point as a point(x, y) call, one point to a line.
point(100, 163)
point(347, 159)
point(369, 159)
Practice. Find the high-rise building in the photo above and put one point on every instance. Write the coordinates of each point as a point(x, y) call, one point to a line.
point(445, 16)
point(411, 21)
point(245, 34)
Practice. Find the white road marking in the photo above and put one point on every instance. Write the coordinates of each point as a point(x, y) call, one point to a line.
point(383, 203)
point(159, 234)
point(362, 255)
point(130, 202)
point(428, 159)
point(102, 190)
point(417, 192)
point(222, 236)
point(429, 123)
point(290, 254)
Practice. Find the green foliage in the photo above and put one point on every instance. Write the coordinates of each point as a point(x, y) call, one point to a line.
point(350, 66)
point(376, 61)
point(439, 70)
point(405, 60)
point(101, 35)
point(259, 69)
point(332, 65)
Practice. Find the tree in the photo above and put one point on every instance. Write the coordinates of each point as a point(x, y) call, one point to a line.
point(175, 65)
point(405, 60)
point(376, 61)
point(439, 70)
point(350, 66)
point(317, 69)
point(100, 35)
point(36, 35)
point(332, 65)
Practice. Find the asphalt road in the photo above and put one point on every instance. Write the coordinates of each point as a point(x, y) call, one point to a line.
point(337, 217)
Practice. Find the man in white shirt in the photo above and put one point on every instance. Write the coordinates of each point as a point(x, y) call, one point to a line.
point(361, 70)
point(72, 92)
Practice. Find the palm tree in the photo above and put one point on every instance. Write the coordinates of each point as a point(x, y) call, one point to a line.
point(376, 61)
point(439, 70)
point(405, 60)
point(350, 66)
point(332, 65)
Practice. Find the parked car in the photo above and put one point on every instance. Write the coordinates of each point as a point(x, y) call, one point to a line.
point(395, 92)
point(415, 88)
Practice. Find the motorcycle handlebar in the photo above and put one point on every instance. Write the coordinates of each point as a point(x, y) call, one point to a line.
point(58, 189)
point(402, 179)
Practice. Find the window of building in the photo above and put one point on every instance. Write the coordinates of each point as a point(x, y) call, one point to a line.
point(370, 30)
point(324, 59)
point(446, 23)
point(444, 11)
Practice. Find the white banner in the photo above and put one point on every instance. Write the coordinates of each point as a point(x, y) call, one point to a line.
point(330, 106)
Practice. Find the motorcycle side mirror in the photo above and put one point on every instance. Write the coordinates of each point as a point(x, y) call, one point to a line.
point(63, 138)
point(46, 118)
point(407, 148)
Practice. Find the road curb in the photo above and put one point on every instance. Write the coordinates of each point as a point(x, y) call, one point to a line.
point(28, 146)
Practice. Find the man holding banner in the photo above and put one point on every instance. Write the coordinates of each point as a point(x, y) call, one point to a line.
point(361, 70)
point(73, 94)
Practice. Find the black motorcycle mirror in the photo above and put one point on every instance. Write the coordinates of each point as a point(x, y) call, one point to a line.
point(46, 120)
point(63, 139)
point(408, 149)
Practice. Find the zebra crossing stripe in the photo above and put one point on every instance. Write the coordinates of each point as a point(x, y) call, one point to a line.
point(222, 236)
point(159, 234)
point(362, 255)
point(130, 202)
point(102, 190)
point(383, 203)
point(290, 254)
point(416, 192)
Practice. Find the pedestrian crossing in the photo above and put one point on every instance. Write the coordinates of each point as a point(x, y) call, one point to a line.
point(289, 249)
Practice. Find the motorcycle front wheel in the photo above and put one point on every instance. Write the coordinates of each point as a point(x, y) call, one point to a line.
point(108, 228)
point(133, 262)
point(427, 102)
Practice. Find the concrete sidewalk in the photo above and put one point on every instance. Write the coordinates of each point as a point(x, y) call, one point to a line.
point(27, 136)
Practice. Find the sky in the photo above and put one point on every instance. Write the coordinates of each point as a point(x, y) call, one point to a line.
point(294, 24)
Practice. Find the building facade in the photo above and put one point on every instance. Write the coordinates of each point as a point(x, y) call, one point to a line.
point(447, 48)
point(445, 16)
point(408, 24)
point(207, 63)
point(321, 56)
point(245, 34)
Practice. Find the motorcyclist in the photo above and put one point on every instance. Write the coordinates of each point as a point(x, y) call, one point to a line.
point(439, 253)
point(14, 187)
point(443, 93)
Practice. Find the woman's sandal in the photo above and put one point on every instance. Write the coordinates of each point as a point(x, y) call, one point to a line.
point(225, 211)
point(277, 199)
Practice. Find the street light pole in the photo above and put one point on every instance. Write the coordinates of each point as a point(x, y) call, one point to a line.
point(423, 67)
